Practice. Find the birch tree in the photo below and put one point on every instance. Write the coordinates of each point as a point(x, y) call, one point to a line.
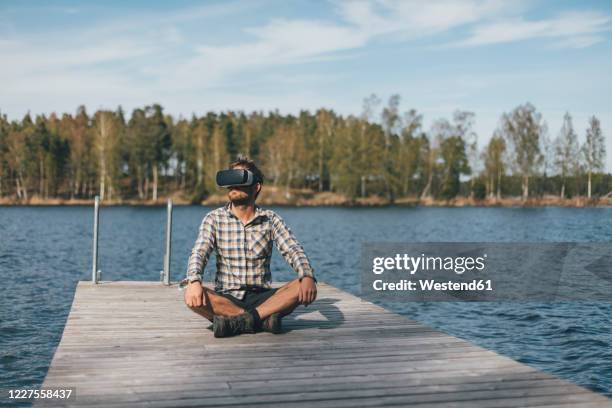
point(391, 124)
point(17, 159)
point(4, 133)
point(593, 150)
point(494, 164)
point(566, 151)
point(523, 128)
point(324, 135)
point(455, 163)
point(464, 128)
point(107, 145)
point(440, 130)
point(412, 137)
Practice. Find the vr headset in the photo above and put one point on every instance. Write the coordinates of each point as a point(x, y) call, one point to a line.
point(235, 178)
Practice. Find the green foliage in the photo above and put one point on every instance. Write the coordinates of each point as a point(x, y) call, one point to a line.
point(383, 152)
point(480, 189)
point(524, 129)
point(452, 150)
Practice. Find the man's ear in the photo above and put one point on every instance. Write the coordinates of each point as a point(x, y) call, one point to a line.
point(256, 190)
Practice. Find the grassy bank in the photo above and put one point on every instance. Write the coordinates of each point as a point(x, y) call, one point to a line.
point(273, 196)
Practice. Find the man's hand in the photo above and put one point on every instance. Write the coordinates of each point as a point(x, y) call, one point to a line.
point(194, 295)
point(308, 291)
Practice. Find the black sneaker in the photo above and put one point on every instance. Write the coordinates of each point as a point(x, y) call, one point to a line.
point(225, 326)
point(272, 323)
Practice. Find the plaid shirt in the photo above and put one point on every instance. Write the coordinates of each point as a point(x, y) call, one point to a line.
point(244, 251)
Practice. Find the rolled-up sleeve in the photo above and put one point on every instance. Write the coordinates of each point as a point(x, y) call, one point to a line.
point(204, 245)
point(291, 249)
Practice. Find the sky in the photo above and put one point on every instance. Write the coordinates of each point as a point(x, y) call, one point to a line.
point(484, 56)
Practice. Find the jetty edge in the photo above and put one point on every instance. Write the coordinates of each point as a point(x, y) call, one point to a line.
point(135, 344)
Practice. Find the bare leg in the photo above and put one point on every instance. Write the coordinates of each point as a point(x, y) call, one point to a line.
point(284, 300)
point(216, 305)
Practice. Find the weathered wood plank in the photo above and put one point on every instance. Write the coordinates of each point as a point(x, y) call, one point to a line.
point(135, 344)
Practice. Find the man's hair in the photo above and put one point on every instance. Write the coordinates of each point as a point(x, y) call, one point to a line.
point(245, 162)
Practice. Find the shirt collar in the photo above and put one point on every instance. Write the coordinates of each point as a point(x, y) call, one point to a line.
point(258, 212)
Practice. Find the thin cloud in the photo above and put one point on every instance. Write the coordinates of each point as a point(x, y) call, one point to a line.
point(416, 18)
point(575, 29)
point(583, 41)
point(148, 46)
point(285, 41)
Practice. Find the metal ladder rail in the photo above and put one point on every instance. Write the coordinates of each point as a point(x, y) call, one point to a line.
point(96, 274)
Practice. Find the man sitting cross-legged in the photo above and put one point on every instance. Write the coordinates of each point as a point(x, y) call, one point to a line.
point(242, 235)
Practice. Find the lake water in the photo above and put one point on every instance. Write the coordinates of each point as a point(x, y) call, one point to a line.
point(44, 251)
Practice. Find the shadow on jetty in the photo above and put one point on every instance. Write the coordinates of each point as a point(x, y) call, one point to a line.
point(326, 307)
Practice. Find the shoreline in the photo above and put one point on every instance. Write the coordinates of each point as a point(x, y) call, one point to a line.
point(325, 200)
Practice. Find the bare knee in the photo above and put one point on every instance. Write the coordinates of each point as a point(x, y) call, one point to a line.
point(294, 285)
point(291, 289)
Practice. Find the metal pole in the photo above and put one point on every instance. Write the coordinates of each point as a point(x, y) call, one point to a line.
point(168, 244)
point(94, 270)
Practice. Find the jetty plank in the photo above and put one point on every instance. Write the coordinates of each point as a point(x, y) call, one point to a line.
point(133, 344)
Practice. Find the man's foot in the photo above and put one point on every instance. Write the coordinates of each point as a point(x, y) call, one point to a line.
point(225, 326)
point(272, 323)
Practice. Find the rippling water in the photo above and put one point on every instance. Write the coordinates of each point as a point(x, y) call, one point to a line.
point(44, 251)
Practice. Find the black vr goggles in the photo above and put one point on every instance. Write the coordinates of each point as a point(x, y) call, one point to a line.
point(235, 178)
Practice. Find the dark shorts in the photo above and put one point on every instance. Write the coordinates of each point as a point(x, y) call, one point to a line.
point(252, 298)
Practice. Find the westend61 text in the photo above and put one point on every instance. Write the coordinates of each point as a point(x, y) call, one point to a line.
point(432, 285)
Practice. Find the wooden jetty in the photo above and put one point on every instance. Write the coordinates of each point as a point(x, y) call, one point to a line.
point(133, 344)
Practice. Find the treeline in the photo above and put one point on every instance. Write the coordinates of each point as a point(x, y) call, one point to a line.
point(382, 152)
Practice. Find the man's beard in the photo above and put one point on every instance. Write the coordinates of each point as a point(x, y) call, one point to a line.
point(241, 201)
